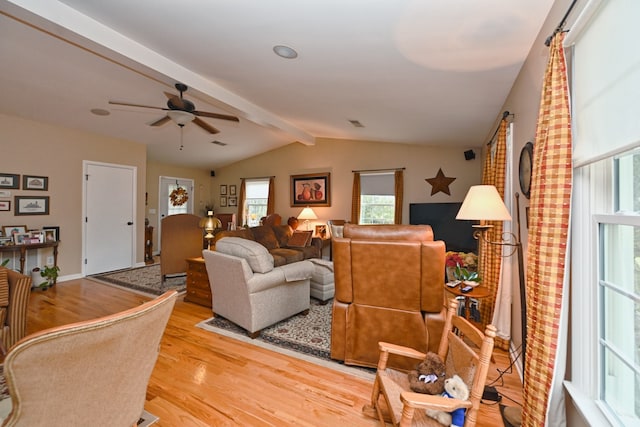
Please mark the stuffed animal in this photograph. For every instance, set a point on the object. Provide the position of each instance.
(455, 388)
(428, 377)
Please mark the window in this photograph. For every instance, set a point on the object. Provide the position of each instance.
(255, 204)
(618, 243)
(377, 198)
(605, 227)
(171, 209)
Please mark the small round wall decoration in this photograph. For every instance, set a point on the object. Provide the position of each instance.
(526, 168)
(179, 196)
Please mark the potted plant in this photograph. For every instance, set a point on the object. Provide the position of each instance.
(50, 274)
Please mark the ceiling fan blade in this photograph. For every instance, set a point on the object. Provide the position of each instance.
(160, 121)
(216, 116)
(128, 104)
(206, 126)
(176, 101)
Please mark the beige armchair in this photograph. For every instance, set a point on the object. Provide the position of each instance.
(248, 290)
(88, 373)
(13, 306)
(389, 282)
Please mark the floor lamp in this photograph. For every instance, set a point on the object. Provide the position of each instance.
(483, 203)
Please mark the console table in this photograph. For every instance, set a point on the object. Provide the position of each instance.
(27, 247)
(198, 289)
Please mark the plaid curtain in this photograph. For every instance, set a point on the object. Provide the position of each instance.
(241, 197)
(355, 199)
(271, 199)
(490, 256)
(548, 235)
(399, 191)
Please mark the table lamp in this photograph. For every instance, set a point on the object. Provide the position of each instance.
(209, 223)
(307, 214)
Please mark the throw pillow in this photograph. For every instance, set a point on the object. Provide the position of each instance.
(265, 236)
(300, 239)
(283, 234)
(256, 255)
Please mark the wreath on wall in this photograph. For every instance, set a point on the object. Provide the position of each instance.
(179, 196)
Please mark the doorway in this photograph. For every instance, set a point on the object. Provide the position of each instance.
(109, 213)
(165, 207)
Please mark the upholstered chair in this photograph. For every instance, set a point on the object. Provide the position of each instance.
(14, 300)
(180, 238)
(389, 282)
(88, 373)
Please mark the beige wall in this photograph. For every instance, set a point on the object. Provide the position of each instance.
(40, 149)
(340, 158)
(201, 196)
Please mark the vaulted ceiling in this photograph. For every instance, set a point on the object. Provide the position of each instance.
(432, 72)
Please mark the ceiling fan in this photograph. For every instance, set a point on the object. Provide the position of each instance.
(182, 111)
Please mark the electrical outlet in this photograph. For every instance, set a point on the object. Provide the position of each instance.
(49, 260)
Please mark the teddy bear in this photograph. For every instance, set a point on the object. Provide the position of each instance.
(454, 388)
(428, 377)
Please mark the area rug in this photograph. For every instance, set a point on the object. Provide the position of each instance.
(306, 337)
(146, 280)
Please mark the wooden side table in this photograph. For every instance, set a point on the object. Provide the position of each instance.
(478, 292)
(198, 289)
(148, 244)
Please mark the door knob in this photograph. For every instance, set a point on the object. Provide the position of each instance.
(129, 223)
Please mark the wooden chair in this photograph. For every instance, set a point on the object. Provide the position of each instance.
(94, 372)
(466, 352)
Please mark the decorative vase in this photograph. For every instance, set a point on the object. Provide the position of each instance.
(451, 274)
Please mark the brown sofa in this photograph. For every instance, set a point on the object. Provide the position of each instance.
(276, 238)
(389, 287)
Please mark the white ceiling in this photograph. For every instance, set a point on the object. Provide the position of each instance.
(432, 72)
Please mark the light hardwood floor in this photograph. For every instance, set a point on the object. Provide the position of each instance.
(203, 379)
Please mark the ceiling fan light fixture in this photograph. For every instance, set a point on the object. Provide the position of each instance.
(181, 118)
(285, 52)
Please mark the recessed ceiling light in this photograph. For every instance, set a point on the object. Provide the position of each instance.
(100, 112)
(285, 52)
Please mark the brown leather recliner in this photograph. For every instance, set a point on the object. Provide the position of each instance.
(389, 287)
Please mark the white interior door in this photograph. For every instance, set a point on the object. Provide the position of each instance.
(167, 185)
(110, 210)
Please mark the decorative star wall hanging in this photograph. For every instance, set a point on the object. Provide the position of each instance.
(440, 183)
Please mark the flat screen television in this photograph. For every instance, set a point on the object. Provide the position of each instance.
(457, 235)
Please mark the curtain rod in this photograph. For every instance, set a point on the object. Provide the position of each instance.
(380, 170)
(259, 177)
(560, 26)
(504, 116)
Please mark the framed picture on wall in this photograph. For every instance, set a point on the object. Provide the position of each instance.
(223, 201)
(30, 182)
(311, 189)
(9, 180)
(5, 205)
(223, 190)
(31, 205)
(232, 190)
(233, 201)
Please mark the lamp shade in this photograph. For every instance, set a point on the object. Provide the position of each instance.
(307, 213)
(483, 203)
(180, 117)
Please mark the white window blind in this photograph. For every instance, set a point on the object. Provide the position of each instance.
(377, 184)
(606, 80)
